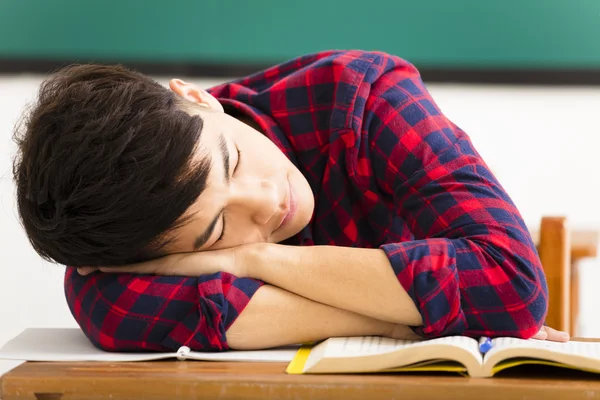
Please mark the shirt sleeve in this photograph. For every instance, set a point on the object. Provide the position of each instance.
(126, 312)
(472, 267)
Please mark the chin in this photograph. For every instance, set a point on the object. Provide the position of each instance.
(305, 205)
(293, 228)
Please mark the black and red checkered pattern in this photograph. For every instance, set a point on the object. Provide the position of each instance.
(388, 170)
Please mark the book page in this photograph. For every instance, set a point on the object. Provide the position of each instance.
(279, 354)
(70, 344)
(581, 349)
(374, 353)
(64, 344)
(373, 345)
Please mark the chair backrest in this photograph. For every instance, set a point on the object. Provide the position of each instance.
(555, 253)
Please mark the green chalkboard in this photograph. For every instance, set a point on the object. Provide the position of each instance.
(437, 33)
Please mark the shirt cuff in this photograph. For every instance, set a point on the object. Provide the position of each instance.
(426, 269)
(221, 299)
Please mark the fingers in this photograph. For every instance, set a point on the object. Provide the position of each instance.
(86, 270)
(168, 265)
(541, 335)
(555, 335)
(148, 267)
(551, 334)
(141, 268)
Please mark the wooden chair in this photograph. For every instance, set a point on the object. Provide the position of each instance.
(554, 249)
(560, 251)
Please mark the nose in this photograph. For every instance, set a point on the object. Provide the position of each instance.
(258, 197)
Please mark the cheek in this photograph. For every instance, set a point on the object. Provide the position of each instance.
(242, 231)
(263, 150)
(305, 197)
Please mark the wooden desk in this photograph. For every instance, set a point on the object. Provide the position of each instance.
(247, 381)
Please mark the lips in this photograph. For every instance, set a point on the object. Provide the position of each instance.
(290, 206)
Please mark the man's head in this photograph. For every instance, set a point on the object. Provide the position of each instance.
(114, 168)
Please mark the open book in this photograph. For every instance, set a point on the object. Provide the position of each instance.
(58, 344)
(450, 354)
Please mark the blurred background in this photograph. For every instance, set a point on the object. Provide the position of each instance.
(521, 77)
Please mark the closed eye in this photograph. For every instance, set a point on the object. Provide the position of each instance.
(239, 155)
(222, 235)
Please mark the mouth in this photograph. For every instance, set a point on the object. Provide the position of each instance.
(291, 206)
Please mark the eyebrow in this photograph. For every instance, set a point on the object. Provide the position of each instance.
(204, 236)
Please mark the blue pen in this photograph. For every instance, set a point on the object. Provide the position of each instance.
(485, 344)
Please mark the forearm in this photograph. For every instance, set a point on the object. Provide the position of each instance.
(275, 317)
(353, 279)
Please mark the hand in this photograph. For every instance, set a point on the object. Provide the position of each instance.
(232, 260)
(547, 333)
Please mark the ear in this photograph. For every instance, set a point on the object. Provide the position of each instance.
(191, 92)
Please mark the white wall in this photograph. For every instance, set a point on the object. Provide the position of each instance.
(541, 142)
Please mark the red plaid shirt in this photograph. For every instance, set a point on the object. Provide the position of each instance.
(388, 170)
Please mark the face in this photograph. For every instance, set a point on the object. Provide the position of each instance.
(253, 194)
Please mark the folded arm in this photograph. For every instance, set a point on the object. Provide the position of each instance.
(358, 280)
(129, 312)
(277, 317)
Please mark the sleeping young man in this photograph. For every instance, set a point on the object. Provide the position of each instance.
(326, 196)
